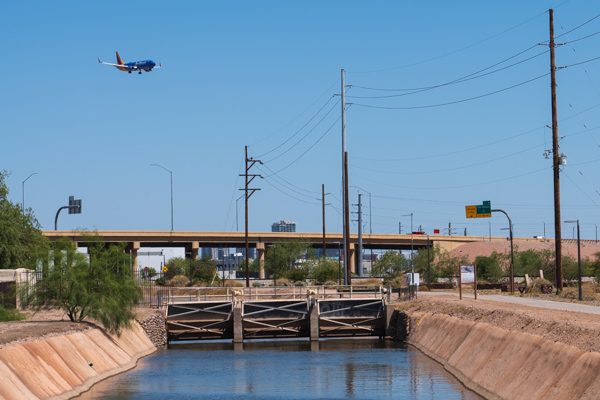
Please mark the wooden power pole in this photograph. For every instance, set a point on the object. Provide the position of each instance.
(556, 162)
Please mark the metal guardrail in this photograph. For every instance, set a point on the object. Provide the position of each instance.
(170, 295)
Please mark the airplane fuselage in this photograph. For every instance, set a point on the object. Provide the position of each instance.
(146, 65)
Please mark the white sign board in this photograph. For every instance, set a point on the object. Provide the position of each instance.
(467, 273)
(410, 281)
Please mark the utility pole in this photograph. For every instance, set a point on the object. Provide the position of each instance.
(399, 228)
(449, 228)
(347, 230)
(324, 244)
(344, 180)
(556, 162)
(360, 241)
(247, 193)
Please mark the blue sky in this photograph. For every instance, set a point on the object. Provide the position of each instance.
(266, 74)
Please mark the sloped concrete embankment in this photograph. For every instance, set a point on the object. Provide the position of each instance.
(61, 367)
(503, 364)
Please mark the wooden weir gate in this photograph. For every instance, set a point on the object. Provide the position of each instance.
(277, 318)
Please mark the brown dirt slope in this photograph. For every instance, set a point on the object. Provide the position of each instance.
(474, 249)
(580, 330)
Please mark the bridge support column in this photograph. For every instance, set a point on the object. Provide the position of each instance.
(314, 320)
(352, 257)
(238, 331)
(133, 248)
(260, 249)
(195, 249)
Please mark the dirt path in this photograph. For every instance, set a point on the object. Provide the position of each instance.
(578, 329)
(47, 324)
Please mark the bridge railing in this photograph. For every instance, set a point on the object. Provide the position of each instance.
(169, 295)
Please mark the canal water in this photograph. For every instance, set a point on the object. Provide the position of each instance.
(328, 369)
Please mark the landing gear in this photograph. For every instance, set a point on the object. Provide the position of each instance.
(140, 72)
(129, 71)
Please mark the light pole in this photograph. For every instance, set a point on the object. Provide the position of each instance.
(512, 260)
(170, 172)
(412, 267)
(578, 255)
(236, 212)
(23, 204)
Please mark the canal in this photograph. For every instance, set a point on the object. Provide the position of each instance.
(328, 369)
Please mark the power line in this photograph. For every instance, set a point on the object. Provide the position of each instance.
(577, 27)
(465, 78)
(299, 115)
(452, 52)
(453, 102)
(453, 187)
(310, 148)
(308, 133)
(447, 169)
(299, 130)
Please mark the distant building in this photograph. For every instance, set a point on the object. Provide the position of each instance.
(283, 226)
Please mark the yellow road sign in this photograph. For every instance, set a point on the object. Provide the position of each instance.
(471, 212)
(165, 269)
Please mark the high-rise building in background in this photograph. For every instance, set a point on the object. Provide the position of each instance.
(283, 226)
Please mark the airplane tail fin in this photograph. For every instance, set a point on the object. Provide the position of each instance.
(119, 61)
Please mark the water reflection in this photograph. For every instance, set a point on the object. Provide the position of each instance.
(328, 369)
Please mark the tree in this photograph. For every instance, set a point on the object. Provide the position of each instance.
(390, 265)
(204, 270)
(323, 270)
(490, 268)
(100, 287)
(286, 256)
(21, 240)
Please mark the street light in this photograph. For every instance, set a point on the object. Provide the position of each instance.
(23, 204)
(578, 255)
(170, 172)
(412, 267)
(236, 212)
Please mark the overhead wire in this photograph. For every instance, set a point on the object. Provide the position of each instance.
(465, 78)
(308, 133)
(452, 52)
(447, 169)
(453, 187)
(310, 148)
(298, 131)
(298, 116)
(453, 102)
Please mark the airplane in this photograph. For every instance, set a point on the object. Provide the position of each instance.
(139, 66)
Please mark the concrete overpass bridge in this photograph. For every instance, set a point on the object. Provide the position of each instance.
(193, 241)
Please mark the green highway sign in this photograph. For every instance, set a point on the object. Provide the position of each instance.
(479, 211)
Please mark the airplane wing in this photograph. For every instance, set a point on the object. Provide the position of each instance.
(114, 65)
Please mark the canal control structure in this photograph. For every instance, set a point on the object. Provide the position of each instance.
(341, 313)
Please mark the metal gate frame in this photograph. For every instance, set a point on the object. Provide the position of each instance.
(358, 324)
(222, 328)
(302, 318)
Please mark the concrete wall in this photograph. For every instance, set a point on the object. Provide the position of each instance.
(501, 364)
(58, 367)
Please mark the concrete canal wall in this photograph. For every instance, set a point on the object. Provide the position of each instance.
(62, 367)
(502, 364)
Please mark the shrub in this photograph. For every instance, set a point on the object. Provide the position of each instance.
(572, 293)
(324, 270)
(232, 283)
(178, 280)
(10, 314)
(297, 274)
